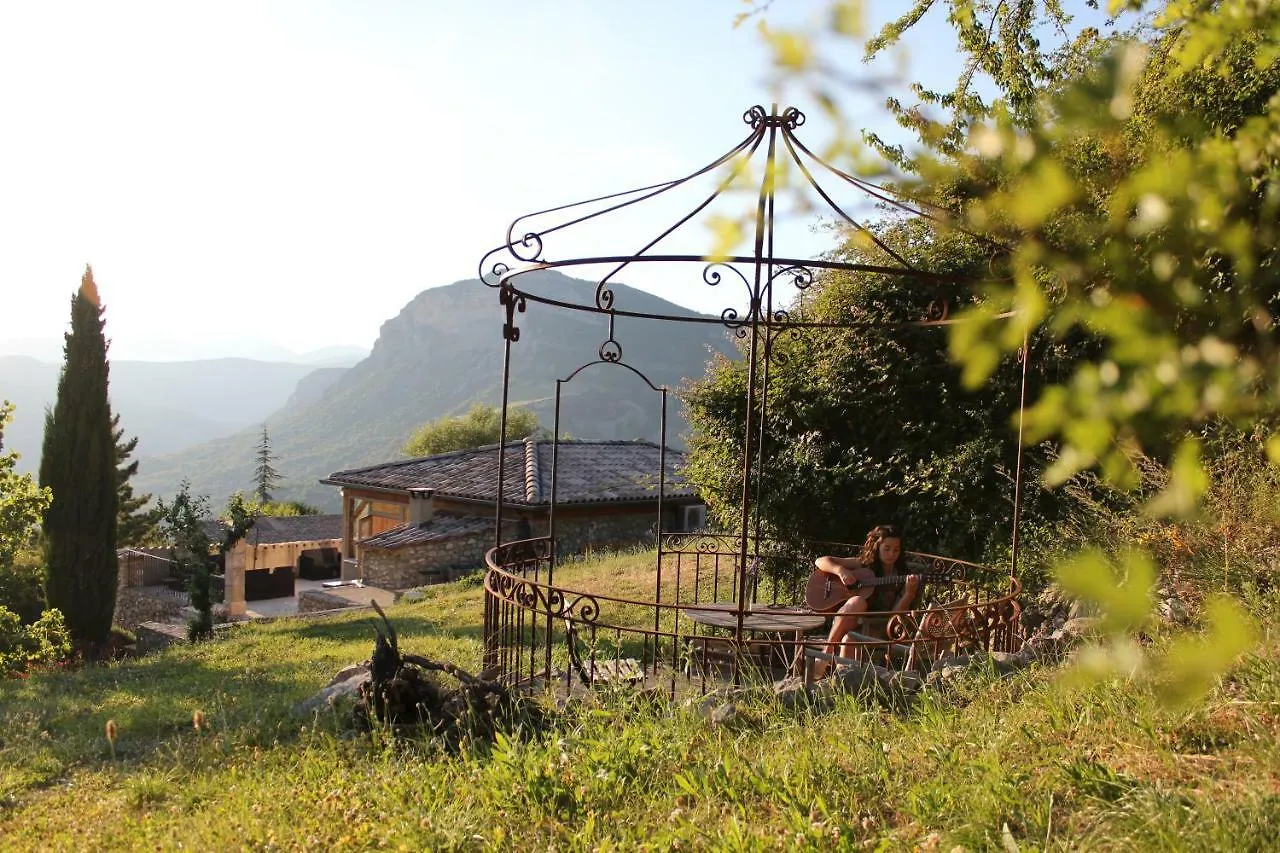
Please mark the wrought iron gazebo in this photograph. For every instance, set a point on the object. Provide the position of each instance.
(716, 609)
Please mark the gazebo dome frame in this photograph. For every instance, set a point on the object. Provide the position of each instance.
(524, 607)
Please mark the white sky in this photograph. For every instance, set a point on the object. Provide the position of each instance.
(292, 173)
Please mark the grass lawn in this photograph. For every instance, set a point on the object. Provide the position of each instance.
(1027, 761)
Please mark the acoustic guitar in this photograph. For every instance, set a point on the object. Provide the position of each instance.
(826, 592)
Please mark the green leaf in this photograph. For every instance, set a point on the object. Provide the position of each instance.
(1187, 484)
(1273, 449)
(1194, 663)
(1124, 601)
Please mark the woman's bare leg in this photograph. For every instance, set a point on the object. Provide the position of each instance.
(851, 615)
(846, 620)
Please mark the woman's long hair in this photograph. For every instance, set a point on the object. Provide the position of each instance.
(870, 557)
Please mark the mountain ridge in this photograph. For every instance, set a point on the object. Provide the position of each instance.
(439, 355)
(169, 405)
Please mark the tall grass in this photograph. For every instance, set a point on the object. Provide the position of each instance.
(1030, 761)
(1232, 544)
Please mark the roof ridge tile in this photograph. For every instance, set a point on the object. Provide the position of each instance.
(532, 472)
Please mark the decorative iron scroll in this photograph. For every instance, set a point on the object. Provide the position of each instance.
(526, 238)
(611, 350)
(700, 543)
(540, 598)
(520, 552)
(513, 301)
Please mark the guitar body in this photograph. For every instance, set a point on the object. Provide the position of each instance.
(826, 592)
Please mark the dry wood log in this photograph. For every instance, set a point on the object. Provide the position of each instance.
(405, 693)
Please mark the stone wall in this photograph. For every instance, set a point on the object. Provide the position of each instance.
(442, 560)
(135, 605)
(430, 562)
(155, 636)
(578, 533)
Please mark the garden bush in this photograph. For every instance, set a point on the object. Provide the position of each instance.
(45, 642)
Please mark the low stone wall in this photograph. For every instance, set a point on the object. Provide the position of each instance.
(431, 562)
(314, 601)
(135, 605)
(154, 636)
(614, 530)
(444, 560)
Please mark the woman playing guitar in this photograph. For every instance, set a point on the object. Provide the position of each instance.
(882, 556)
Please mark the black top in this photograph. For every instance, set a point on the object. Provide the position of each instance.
(885, 597)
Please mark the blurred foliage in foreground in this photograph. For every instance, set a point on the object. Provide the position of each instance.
(1127, 181)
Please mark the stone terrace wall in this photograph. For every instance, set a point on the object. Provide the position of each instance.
(431, 562)
(434, 562)
(575, 534)
(135, 605)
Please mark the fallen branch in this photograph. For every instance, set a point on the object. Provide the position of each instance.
(404, 693)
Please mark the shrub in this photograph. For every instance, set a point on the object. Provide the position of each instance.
(1233, 542)
(201, 625)
(45, 642)
(22, 586)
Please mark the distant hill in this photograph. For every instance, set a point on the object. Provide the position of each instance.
(168, 405)
(443, 353)
(339, 355)
(192, 348)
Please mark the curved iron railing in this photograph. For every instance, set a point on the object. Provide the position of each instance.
(543, 634)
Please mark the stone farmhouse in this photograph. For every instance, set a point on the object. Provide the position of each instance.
(414, 521)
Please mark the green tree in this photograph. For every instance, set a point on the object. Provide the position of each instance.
(1133, 187)
(287, 509)
(183, 523)
(22, 504)
(136, 526)
(78, 465)
(265, 476)
(1018, 49)
(871, 424)
(478, 427)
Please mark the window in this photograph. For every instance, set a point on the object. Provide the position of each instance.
(693, 517)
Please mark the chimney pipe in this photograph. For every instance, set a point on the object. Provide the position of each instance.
(421, 505)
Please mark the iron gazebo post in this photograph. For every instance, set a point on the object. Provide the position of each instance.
(763, 223)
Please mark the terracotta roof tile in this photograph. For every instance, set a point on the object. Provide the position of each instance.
(588, 472)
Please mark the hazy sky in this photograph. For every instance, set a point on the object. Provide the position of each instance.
(246, 175)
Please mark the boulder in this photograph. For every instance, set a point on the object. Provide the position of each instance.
(329, 695)
(1080, 626)
(724, 714)
(348, 671)
(1007, 663)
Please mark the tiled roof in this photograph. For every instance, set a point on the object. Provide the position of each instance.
(443, 525)
(214, 529)
(270, 530)
(589, 471)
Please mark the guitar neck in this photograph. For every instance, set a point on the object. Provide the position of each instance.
(894, 580)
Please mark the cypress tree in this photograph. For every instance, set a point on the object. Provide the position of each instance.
(265, 476)
(78, 464)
